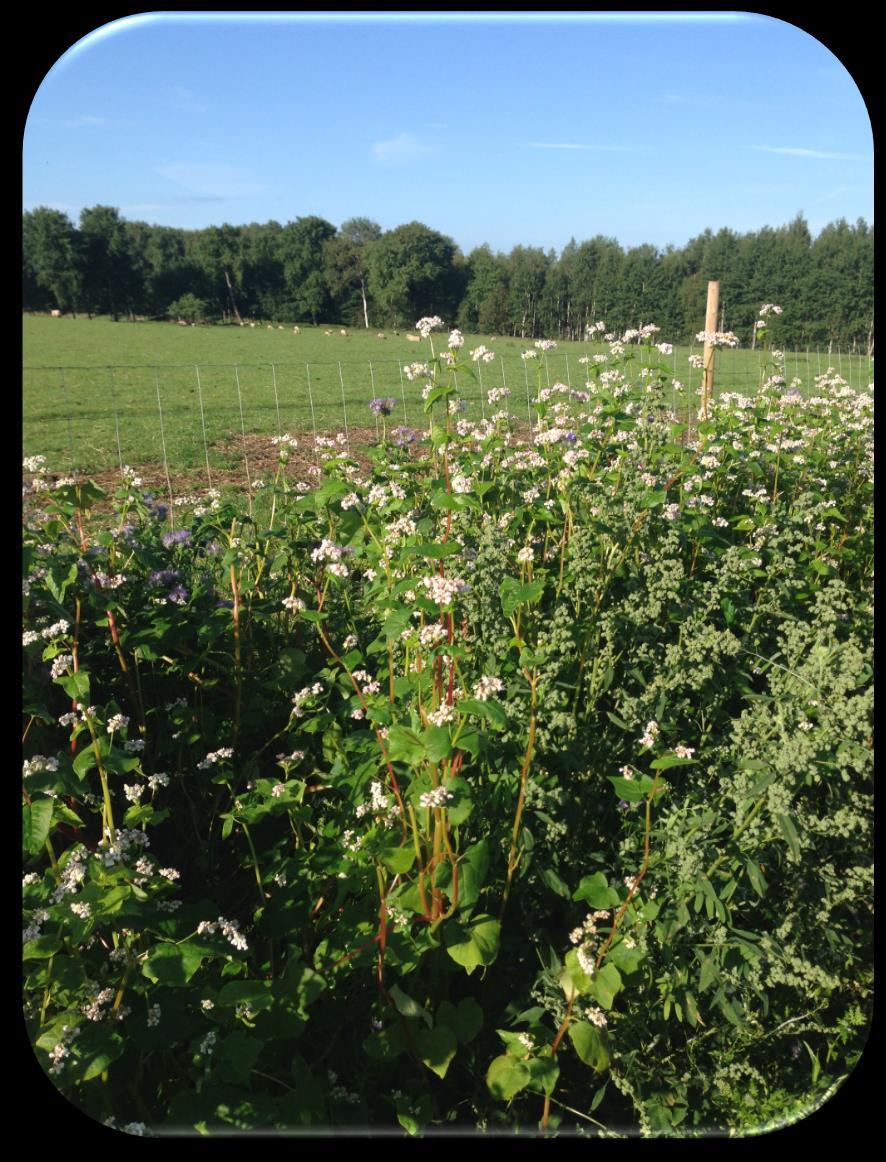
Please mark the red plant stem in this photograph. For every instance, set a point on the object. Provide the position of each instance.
(133, 693)
(644, 867)
(382, 941)
(356, 951)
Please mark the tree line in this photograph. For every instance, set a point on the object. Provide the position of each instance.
(359, 275)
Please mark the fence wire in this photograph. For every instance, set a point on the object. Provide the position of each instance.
(200, 417)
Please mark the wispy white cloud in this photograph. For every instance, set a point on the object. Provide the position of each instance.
(836, 193)
(403, 147)
(185, 100)
(574, 145)
(212, 182)
(795, 151)
(84, 121)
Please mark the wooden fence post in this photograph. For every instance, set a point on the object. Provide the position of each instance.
(710, 326)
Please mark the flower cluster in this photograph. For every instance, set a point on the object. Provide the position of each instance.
(382, 406)
(38, 763)
(442, 715)
(414, 371)
(439, 797)
(304, 695)
(428, 324)
(717, 338)
(216, 756)
(482, 354)
(230, 929)
(487, 687)
(650, 734)
(444, 590)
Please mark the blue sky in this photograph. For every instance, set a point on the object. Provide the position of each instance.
(514, 130)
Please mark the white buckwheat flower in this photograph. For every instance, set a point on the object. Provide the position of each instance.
(436, 798)
(650, 734)
(61, 665)
(442, 715)
(486, 687)
(443, 590)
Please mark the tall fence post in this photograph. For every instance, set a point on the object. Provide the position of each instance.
(710, 326)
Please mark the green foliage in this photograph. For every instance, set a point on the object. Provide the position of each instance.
(189, 308)
(548, 803)
(362, 276)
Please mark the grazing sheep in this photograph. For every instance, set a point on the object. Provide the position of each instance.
(327, 332)
(56, 314)
(270, 328)
(296, 331)
(252, 324)
(343, 332)
(279, 326)
(414, 338)
(380, 335)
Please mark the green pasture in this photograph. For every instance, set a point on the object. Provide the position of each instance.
(97, 392)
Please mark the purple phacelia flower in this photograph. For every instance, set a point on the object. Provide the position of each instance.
(163, 577)
(382, 407)
(180, 537)
(403, 436)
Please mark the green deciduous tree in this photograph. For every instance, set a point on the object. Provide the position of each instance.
(302, 245)
(411, 274)
(111, 277)
(52, 260)
(346, 264)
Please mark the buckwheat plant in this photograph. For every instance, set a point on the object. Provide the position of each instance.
(486, 781)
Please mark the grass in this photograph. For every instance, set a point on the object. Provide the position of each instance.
(97, 392)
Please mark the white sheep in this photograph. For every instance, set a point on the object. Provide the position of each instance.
(296, 331)
(414, 338)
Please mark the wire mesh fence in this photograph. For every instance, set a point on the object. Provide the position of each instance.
(200, 416)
